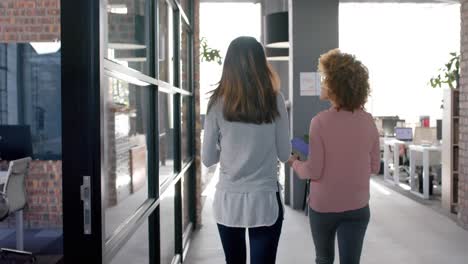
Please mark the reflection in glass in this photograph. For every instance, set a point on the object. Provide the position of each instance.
(166, 137)
(186, 7)
(186, 129)
(3, 83)
(126, 127)
(184, 58)
(186, 200)
(127, 33)
(136, 250)
(30, 94)
(166, 42)
(167, 227)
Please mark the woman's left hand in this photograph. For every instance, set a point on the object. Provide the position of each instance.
(292, 158)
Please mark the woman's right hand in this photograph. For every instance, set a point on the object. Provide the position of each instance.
(292, 158)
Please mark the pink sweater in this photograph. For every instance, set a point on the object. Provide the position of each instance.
(343, 152)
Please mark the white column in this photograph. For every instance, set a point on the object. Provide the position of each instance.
(426, 176)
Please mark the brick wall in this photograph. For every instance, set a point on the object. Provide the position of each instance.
(196, 94)
(123, 28)
(111, 199)
(29, 20)
(463, 158)
(44, 196)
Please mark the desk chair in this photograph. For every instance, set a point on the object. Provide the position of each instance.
(13, 199)
(404, 163)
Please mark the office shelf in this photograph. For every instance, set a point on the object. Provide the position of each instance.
(450, 150)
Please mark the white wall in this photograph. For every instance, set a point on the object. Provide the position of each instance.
(403, 45)
(220, 23)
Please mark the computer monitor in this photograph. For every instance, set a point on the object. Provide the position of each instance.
(404, 133)
(15, 142)
(389, 124)
(439, 129)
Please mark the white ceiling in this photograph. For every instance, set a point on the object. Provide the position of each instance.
(400, 1)
(230, 1)
(343, 1)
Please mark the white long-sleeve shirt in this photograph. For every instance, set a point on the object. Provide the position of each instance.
(248, 155)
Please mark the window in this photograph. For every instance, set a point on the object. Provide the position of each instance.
(186, 7)
(127, 119)
(128, 34)
(184, 58)
(166, 137)
(167, 212)
(3, 85)
(139, 178)
(186, 203)
(186, 129)
(166, 42)
(136, 250)
(30, 94)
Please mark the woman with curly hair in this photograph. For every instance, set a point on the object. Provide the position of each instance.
(343, 152)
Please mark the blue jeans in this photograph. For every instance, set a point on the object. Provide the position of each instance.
(351, 227)
(263, 241)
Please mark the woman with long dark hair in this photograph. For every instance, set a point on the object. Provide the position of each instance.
(247, 131)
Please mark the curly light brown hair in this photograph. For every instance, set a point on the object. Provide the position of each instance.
(346, 80)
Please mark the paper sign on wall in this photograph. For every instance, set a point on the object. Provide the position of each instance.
(310, 84)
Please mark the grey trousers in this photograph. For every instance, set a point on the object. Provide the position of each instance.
(351, 228)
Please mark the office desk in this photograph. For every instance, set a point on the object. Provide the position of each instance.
(395, 144)
(427, 156)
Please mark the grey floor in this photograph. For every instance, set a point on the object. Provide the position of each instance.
(401, 231)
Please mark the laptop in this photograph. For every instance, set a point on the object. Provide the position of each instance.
(404, 133)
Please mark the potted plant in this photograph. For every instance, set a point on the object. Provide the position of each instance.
(209, 54)
(449, 75)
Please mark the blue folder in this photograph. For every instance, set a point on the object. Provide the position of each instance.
(300, 146)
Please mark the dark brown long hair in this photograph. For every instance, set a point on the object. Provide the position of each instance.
(248, 86)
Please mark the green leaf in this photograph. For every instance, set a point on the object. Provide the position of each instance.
(208, 54)
(450, 73)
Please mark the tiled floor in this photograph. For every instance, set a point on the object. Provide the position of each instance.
(37, 241)
(401, 231)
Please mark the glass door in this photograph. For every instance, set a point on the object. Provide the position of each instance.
(128, 130)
